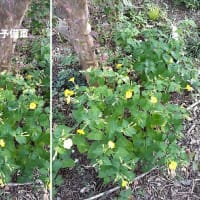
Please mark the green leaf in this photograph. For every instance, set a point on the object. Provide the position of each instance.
(107, 172)
(122, 152)
(81, 143)
(112, 127)
(58, 180)
(156, 119)
(21, 139)
(95, 135)
(95, 150)
(125, 194)
(123, 142)
(61, 131)
(68, 163)
(57, 164)
(106, 161)
(130, 131)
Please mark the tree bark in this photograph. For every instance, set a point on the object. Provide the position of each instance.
(11, 15)
(77, 17)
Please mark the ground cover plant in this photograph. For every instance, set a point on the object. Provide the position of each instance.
(24, 104)
(125, 120)
(195, 4)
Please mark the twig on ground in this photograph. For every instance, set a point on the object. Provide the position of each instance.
(17, 184)
(117, 188)
(104, 193)
(193, 105)
(191, 128)
(144, 174)
(193, 186)
(165, 186)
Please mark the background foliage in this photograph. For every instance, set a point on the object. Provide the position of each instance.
(24, 104)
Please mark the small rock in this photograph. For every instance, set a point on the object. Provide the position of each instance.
(186, 182)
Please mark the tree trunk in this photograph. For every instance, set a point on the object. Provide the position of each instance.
(11, 15)
(77, 17)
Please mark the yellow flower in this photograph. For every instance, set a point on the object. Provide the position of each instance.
(2, 143)
(32, 106)
(129, 94)
(68, 99)
(1, 182)
(170, 60)
(111, 145)
(119, 65)
(71, 79)
(124, 183)
(81, 131)
(188, 88)
(68, 93)
(172, 165)
(29, 76)
(153, 100)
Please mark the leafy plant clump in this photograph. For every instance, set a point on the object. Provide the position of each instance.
(24, 126)
(189, 3)
(24, 105)
(122, 126)
(154, 13)
(124, 120)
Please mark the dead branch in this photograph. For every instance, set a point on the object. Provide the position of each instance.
(193, 105)
(117, 188)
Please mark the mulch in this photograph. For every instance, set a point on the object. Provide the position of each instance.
(24, 191)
